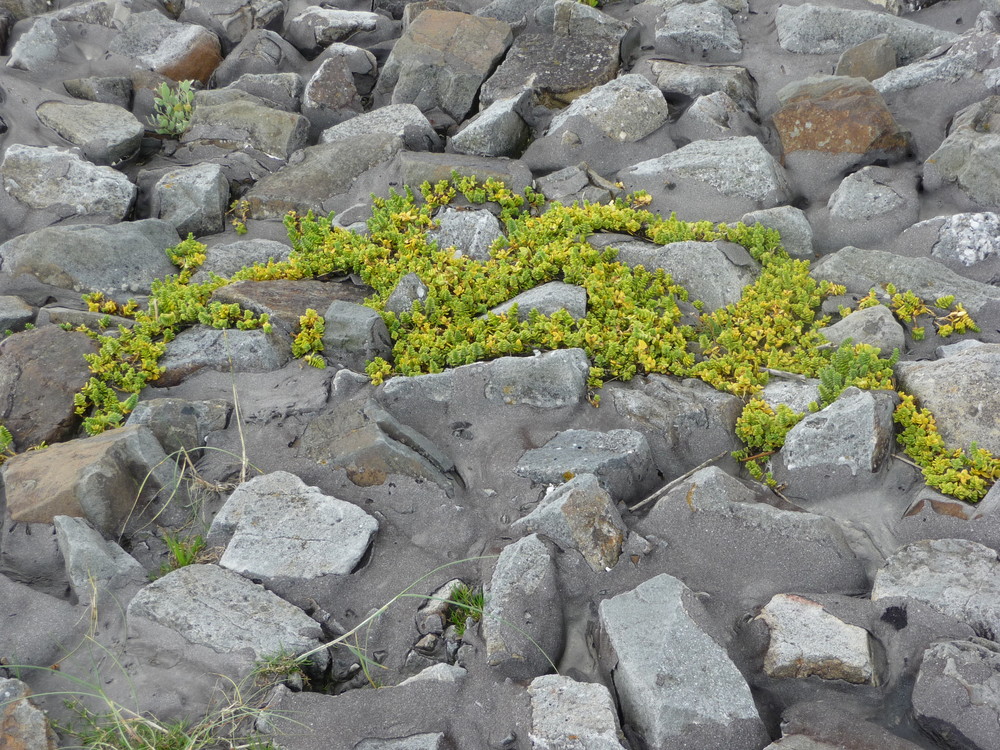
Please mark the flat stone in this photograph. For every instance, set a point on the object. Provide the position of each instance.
(282, 90)
(675, 684)
(115, 90)
(194, 200)
(106, 133)
(180, 51)
(807, 640)
(565, 713)
(213, 607)
(247, 123)
(875, 326)
(698, 31)
(14, 313)
(627, 108)
(499, 130)
(181, 425)
(714, 116)
(95, 565)
(277, 526)
(404, 121)
(547, 299)
(548, 381)
(956, 577)
(869, 60)
(422, 741)
(225, 350)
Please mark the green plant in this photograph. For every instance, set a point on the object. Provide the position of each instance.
(763, 430)
(182, 551)
(239, 209)
(466, 603)
(282, 666)
(857, 365)
(172, 108)
(308, 342)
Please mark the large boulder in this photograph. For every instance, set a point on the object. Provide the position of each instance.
(967, 155)
(179, 51)
(106, 133)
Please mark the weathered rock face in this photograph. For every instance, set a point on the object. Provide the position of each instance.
(177, 50)
(966, 156)
(584, 710)
(702, 30)
(247, 122)
(24, 724)
(106, 133)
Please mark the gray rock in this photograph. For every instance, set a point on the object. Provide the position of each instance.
(39, 46)
(968, 238)
(106, 133)
(227, 259)
(807, 640)
(791, 223)
(957, 693)
(682, 82)
(718, 179)
(247, 123)
(330, 96)
(192, 199)
(620, 459)
(227, 350)
(627, 108)
(840, 448)
(120, 257)
(14, 313)
(283, 90)
(441, 60)
(116, 90)
(261, 51)
(819, 30)
(277, 526)
(869, 193)
(794, 394)
(213, 607)
(181, 425)
(966, 155)
(518, 13)
(714, 116)
(95, 566)
(958, 391)
(769, 550)
(24, 724)
(547, 299)
(354, 335)
(950, 350)
(580, 515)
(423, 741)
(499, 130)
(954, 576)
(577, 183)
(438, 673)
(408, 290)
(179, 51)
(567, 714)
(232, 20)
(361, 62)
(317, 27)
(701, 31)
(404, 121)
(550, 380)
(869, 60)
(875, 326)
(571, 18)
(417, 168)
(471, 233)
(57, 180)
(522, 620)
(676, 686)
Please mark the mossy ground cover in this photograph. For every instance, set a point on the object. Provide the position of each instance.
(638, 321)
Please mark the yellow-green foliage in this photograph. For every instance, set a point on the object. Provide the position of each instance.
(908, 307)
(857, 365)
(308, 342)
(763, 430)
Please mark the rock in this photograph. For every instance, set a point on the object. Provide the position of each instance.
(263, 52)
(580, 515)
(438, 673)
(620, 459)
(714, 116)
(213, 607)
(627, 108)
(700, 31)
(795, 395)
(819, 30)
(817, 725)
(899, 7)
(682, 83)
(875, 326)
(280, 90)
(403, 121)
(57, 180)
(571, 18)
(40, 373)
(361, 62)
(15, 313)
(116, 90)
(957, 391)
(424, 741)
(499, 130)
(226, 350)
(95, 567)
(105, 479)
(106, 133)
(227, 259)
(277, 526)
(837, 115)
(839, 449)
(181, 425)
(417, 168)
(807, 640)
(317, 27)
(557, 69)
(247, 123)
(963, 157)
(319, 175)
(869, 60)
(723, 178)
(24, 724)
(675, 684)
(193, 199)
(441, 61)
(180, 51)
(232, 20)
(410, 289)
(953, 576)
(354, 335)
(874, 201)
(768, 550)
(39, 46)
(471, 233)
(579, 183)
(791, 223)
(547, 299)
(330, 96)
(967, 239)
(955, 695)
(522, 620)
(565, 712)
(548, 381)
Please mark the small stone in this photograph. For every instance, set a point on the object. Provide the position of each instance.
(565, 713)
(192, 199)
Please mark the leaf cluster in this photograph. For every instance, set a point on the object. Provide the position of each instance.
(857, 365)
(172, 108)
(308, 342)
(763, 429)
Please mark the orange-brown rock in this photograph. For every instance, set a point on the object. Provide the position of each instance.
(836, 115)
(23, 725)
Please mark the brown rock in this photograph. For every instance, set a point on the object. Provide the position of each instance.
(868, 60)
(23, 726)
(180, 51)
(836, 115)
(40, 372)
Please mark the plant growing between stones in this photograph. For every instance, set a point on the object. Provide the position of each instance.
(308, 342)
(466, 603)
(182, 551)
(172, 108)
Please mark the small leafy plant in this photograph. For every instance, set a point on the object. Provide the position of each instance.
(281, 667)
(466, 602)
(172, 108)
(856, 365)
(308, 343)
(183, 552)
(763, 429)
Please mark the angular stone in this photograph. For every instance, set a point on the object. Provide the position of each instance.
(261, 51)
(58, 180)
(681, 83)
(714, 116)
(224, 350)
(548, 381)
(98, 478)
(180, 51)
(959, 391)
(14, 313)
(875, 326)
(699, 31)
(247, 123)
(868, 60)
(181, 425)
(580, 515)
(232, 20)
(968, 238)
(225, 260)
(899, 7)
(565, 712)
(499, 130)
(330, 96)
(968, 155)
(106, 133)
(869, 193)
(361, 62)
(557, 69)
(282, 90)
(571, 18)
(807, 640)
(547, 299)
(39, 46)
(25, 726)
(193, 199)
(791, 224)
(93, 564)
(404, 121)
(408, 290)
(354, 335)
(836, 115)
(627, 109)
(956, 577)
(620, 459)
(441, 61)
(675, 684)
(471, 233)
(317, 27)
(522, 621)
(277, 526)
(213, 607)
(116, 90)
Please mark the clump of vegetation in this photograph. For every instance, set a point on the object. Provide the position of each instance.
(182, 551)
(308, 342)
(857, 365)
(763, 429)
(283, 666)
(466, 603)
(172, 108)
(908, 307)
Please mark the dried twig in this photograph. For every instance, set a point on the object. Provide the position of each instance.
(670, 485)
